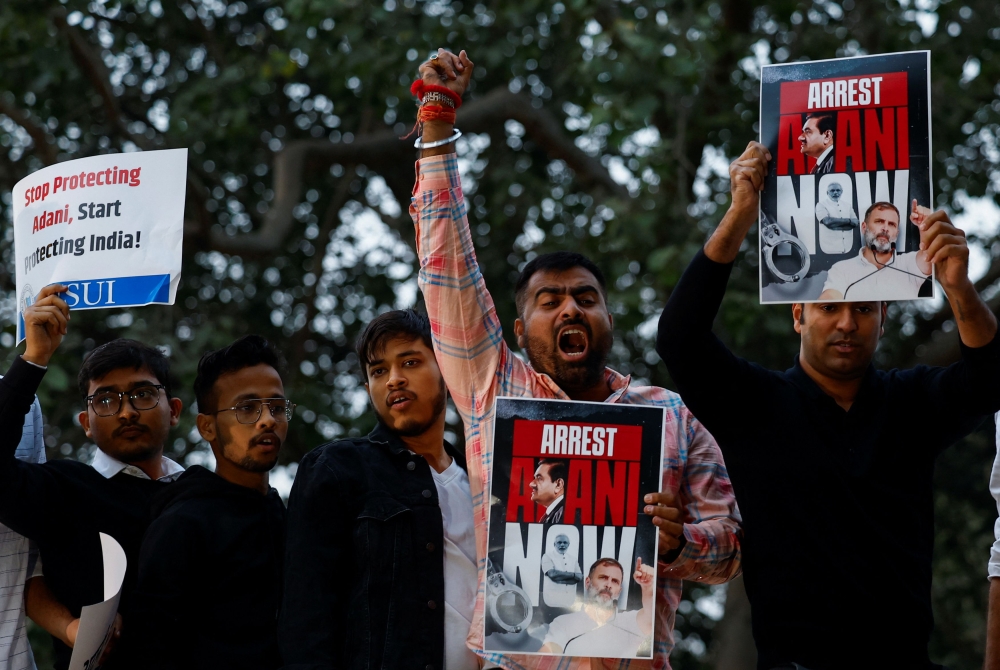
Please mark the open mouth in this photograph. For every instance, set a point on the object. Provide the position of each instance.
(267, 441)
(399, 400)
(573, 342)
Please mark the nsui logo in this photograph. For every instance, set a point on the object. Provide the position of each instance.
(27, 297)
(116, 291)
(97, 293)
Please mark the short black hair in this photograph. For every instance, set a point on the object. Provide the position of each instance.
(246, 352)
(558, 469)
(407, 323)
(121, 354)
(881, 205)
(557, 261)
(825, 121)
(605, 561)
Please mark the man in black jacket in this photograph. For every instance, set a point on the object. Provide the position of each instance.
(209, 579)
(63, 505)
(832, 460)
(381, 560)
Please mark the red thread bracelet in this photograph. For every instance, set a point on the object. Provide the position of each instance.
(418, 88)
(435, 113)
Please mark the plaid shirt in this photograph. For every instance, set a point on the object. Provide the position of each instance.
(478, 367)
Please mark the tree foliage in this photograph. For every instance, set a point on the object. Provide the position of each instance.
(601, 126)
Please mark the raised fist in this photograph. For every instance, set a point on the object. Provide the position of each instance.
(45, 324)
(448, 70)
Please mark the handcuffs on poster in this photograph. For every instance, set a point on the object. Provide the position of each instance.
(507, 604)
(771, 236)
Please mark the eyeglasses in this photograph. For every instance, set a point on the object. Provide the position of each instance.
(249, 411)
(109, 403)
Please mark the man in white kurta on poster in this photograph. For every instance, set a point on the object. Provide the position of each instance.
(837, 220)
(879, 272)
(562, 572)
(598, 628)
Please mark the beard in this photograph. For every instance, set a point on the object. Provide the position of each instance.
(883, 245)
(606, 603)
(247, 462)
(411, 427)
(579, 375)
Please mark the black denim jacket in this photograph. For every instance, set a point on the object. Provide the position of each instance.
(364, 563)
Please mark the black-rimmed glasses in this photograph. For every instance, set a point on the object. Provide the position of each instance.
(248, 411)
(109, 403)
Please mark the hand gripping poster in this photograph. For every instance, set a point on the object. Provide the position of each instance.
(850, 174)
(571, 565)
(108, 227)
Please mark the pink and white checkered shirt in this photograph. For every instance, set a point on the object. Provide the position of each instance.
(478, 366)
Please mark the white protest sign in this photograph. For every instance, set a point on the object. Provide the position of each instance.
(97, 621)
(109, 227)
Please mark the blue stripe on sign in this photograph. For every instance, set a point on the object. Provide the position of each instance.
(116, 291)
(111, 292)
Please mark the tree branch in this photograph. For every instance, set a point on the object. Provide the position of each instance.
(94, 70)
(384, 153)
(42, 138)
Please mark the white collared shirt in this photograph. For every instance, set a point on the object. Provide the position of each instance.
(860, 279)
(555, 503)
(822, 156)
(109, 466)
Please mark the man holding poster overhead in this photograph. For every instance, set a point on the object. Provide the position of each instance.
(64, 505)
(566, 331)
(832, 460)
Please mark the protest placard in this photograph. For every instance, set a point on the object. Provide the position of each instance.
(109, 227)
(97, 621)
(572, 557)
(850, 143)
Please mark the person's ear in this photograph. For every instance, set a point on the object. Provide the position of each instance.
(176, 405)
(519, 332)
(798, 310)
(828, 135)
(885, 311)
(84, 418)
(206, 427)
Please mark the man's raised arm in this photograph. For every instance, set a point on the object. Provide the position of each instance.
(707, 374)
(468, 340)
(24, 488)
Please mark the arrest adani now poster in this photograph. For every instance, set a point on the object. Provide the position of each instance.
(850, 143)
(572, 556)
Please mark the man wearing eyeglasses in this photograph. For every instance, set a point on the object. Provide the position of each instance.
(210, 568)
(64, 504)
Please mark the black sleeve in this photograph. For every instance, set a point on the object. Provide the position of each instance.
(25, 488)
(963, 393)
(717, 386)
(159, 625)
(318, 550)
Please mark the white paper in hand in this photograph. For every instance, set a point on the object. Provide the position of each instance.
(109, 227)
(97, 621)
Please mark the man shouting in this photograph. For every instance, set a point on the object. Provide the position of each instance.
(565, 329)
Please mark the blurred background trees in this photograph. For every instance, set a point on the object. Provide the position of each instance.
(603, 126)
